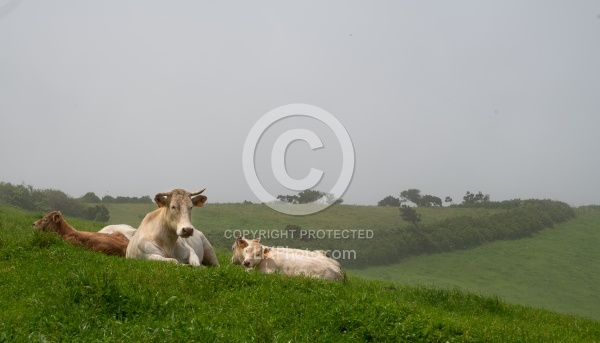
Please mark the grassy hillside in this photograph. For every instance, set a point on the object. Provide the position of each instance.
(53, 292)
(555, 269)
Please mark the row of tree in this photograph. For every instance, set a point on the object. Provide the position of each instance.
(92, 198)
(415, 197)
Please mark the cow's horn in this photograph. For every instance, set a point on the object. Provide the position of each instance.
(199, 192)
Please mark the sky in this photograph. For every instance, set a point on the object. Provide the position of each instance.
(139, 97)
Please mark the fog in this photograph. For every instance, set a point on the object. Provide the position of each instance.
(139, 97)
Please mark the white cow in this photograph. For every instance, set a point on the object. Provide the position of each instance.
(241, 243)
(268, 260)
(125, 229)
(157, 237)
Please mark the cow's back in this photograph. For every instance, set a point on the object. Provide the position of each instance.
(321, 268)
(127, 230)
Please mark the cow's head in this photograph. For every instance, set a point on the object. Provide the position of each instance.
(237, 249)
(178, 209)
(254, 254)
(50, 222)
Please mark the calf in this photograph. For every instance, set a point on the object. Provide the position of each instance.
(158, 236)
(110, 244)
(241, 243)
(269, 261)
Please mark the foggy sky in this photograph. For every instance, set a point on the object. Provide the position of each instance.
(139, 97)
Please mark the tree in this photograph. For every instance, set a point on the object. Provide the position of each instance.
(448, 199)
(107, 199)
(21, 196)
(309, 195)
(409, 214)
(413, 195)
(389, 201)
(97, 213)
(145, 200)
(430, 200)
(292, 199)
(472, 198)
(60, 201)
(90, 198)
(331, 199)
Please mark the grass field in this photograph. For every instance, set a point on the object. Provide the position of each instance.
(556, 269)
(54, 292)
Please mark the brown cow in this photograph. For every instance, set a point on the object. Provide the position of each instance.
(110, 244)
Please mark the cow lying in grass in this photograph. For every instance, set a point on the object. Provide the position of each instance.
(125, 229)
(269, 260)
(197, 242)
(241, 243)
(110, 244)
(167, 233)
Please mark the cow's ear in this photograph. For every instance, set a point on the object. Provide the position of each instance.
(56, 217)
(160, 200)
(266, 251)
(199, 200)
(241, 242)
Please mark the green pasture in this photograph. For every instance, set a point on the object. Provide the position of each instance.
(54, 292)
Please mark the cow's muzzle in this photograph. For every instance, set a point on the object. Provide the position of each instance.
(186, 232)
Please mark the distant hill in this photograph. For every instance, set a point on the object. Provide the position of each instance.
(555, 269)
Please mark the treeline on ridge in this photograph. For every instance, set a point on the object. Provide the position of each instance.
(87, 207)
(46, 200)
(92, 198)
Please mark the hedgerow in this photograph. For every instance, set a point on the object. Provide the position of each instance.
(522, 218)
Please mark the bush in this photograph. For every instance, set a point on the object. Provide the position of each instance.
(46, 200)
(522, 220)
(97, 213)
(389, 201)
